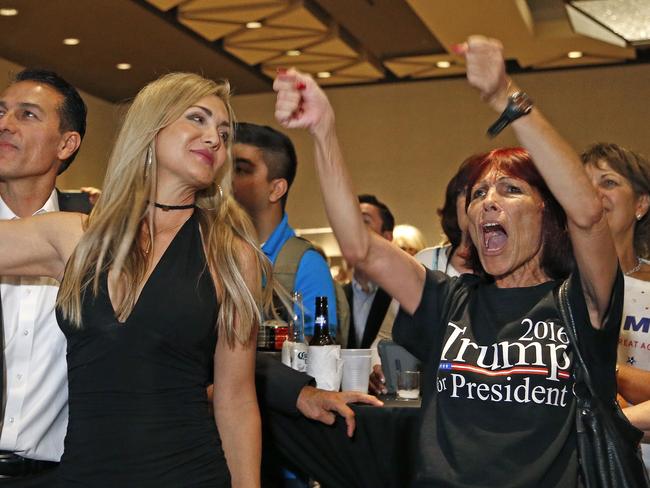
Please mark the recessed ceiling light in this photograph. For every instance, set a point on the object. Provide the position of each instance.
(443, 64)
(253, 25)
(575, 54)
(71, 41)
(293, 52)
(123, 66)
(323, 74)
(8, 12)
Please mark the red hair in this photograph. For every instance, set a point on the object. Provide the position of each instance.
(557, 259)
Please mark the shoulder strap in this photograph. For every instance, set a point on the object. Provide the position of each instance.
(284, 272)
(581, 373)
(288, 259)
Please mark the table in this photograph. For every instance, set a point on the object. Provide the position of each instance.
(381, 453)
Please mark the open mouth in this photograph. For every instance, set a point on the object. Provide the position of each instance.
(494, 236)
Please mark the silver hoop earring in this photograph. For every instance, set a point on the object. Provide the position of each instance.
(147, 162)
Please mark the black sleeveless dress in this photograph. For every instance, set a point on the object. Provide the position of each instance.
(139, 414)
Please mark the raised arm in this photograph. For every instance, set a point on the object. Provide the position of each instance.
(562, 170)
(302, 104)
(40, 245)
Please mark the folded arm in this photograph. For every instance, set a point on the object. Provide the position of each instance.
(633, 383)
(639, 416)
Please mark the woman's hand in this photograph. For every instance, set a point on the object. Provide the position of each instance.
(300, 103)
(486, 70)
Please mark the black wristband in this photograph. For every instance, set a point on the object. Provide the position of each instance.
(519, 104)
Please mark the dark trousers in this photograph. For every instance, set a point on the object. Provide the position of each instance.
(39, 480)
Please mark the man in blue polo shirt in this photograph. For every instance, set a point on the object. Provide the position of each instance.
(265, 167)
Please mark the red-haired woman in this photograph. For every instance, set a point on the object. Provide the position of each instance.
(497, 405)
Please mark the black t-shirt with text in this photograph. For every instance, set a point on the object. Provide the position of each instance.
(498, 408)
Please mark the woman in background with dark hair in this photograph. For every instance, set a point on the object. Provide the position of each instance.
(450, 257)
(497, 407)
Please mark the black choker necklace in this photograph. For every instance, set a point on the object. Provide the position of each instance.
(167, 208)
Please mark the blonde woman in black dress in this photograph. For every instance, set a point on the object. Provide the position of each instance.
(160, 295)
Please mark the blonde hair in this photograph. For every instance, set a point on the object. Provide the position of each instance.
(112, 237)
(408, 237)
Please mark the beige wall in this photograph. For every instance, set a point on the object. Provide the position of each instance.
(404, 141)
(90, 164)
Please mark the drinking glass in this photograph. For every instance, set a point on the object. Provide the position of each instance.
(408, 385)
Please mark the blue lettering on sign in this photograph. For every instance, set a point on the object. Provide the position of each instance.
(631, 323)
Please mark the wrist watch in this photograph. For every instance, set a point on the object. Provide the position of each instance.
(519, 104)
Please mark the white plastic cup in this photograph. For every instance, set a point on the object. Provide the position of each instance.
(356, 370)
(355, 352)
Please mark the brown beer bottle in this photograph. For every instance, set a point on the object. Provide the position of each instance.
(321, 335)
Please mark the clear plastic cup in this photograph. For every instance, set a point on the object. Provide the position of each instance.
(356, 370)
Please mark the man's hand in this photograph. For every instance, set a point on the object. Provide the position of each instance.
(93, 193)
(377, 383)
(321, 405)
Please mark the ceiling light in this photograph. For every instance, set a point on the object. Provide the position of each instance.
(71, 41)
(618, 22)
(293, 52)
(575, 54)
(253, 25)
(323, 74)
(8, 12)
(443, 64)
(123, 66)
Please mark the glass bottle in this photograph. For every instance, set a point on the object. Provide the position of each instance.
(321, 335)
(295, 349)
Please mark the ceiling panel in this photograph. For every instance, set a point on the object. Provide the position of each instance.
(111, 32)
(340, 42)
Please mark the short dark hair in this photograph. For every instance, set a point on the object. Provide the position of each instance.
(72, 112)
(277, 149)
(448, 217)
(387, 219)
(557, 254)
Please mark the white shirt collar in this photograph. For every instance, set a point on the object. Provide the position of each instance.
(51, 205)
(372, 287)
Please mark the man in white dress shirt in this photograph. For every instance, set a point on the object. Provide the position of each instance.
(42, 122)
(368, 303)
